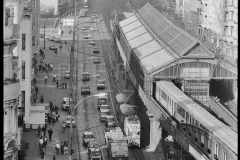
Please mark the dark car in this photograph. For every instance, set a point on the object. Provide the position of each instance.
(85, 89)
(95, 50)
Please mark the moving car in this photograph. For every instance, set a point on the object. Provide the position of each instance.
(52, 47)
(85, 6)
(95, 50)
(94, 16)
(65, 103)
(67, 75)
(100, 84)
(85, 76)
(85, 10)
(96, 60)
(84, 28)
(103, 114)
(92, 29)
(94, 151)
(86, 36)
(92, 43)
(88, 137)
(68, 121)
(110, 121)
(57, 40)
(49, 38)
(85, 89)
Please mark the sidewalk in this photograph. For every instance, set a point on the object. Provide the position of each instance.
(50, 92)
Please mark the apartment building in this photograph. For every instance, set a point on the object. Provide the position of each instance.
(29, 46)
(12, 88)
(214, 22)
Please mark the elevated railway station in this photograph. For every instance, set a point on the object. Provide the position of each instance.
(152, 50)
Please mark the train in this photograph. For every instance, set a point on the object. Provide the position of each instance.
(183, 109)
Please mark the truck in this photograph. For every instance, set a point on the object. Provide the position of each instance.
(94, 151)
(117, 148)
(132, 130)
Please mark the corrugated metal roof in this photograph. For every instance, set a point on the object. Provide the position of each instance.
(131, 26)
(135, 33)
(128, 14)
(147, 49)
(156, 60)
(179, 40)
(136, 42)
(128, 21)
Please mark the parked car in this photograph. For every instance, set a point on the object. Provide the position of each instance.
(92, 43)
(95, 50)
(96, 60)
(68, 121)
(57, 40)
(104, 108)
(85, 10)
(92, 146)
(41, 35)
(50, 38)
(53, 37)
(110, 121)
(88, 137)
(103, 114)
(85, 76)
(86, 36)
(84, 28)
(67, 75)
(94, 16)
(52, 47)
(92, 29)
(85, 89)
(85, 6)
(65, 103)
(100, 84)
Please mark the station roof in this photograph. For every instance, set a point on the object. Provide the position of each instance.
(144, 30)
(145, 47)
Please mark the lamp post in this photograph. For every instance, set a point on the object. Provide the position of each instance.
(97, 95)
(44, 32)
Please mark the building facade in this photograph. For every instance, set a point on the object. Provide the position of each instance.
(214, 22)
(12, 133)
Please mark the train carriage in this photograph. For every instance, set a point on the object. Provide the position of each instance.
(185, 110)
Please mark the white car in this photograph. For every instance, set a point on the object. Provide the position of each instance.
(96, 61)
(94, 16)
(88, 137)
(68, 121)
(92, 43)
(84, 28)
(85, 6)
(52, 47)
(86, 36)
(85, 10)
(67, 75)
(92, 29)
(65, 103)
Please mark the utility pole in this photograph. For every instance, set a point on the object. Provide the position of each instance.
(44, 32)
(71, 82)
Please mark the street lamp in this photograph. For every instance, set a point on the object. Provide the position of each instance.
(44, 32)
(96, 95)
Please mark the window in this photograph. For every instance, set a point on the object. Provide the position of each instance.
(33, 40)
(209, 146)
(200, 31)
(33, 4)
(181, 111)
(187, 117)
(216, 149)
(202, 140)
(23, 70)
(33, 22)
(23, 42)
(196, 123)
(23, 99)
(190, 24)
(164, 96)
(224, 155)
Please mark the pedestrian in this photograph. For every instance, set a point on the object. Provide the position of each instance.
(50, 133)
(43, 130)
(49, 120)
(57, 116)
(65, 84)
(54, 157)
(50, 105)
(64, 126)
(53, 120)
(45, 141)
(56, 108)
(51, 66)
(62, 151)
(65, 143)
(36, 90)
(43, 55)
(65, 43)
(43, 68)
(41, 141)
(39, 130)
(34, 99)
(46, 77)
(60, 47)
(34, 81)
(41, 98)
(57, 83)
(55, 52)
(57, 148)
(54, 77)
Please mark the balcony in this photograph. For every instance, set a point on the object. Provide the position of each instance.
(8, 46)
(11, 88)
(16, 33)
